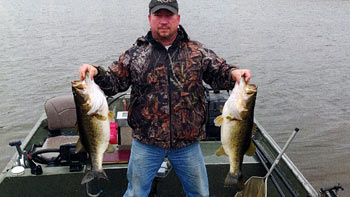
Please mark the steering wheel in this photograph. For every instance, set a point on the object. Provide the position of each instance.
(37, 156)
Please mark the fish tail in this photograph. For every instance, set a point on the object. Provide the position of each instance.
(91, 175)
(234, 180)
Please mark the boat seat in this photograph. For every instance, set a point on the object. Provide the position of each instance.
(56, 142)
(60, 112)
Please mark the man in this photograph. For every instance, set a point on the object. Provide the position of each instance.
(167, 112)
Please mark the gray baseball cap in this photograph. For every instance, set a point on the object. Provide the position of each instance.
(170, 5)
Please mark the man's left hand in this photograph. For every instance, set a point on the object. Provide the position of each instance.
(238, 73)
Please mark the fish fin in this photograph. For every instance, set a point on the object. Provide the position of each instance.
(234, 179)
(86, 106)
(231, 117)
(251, 149)
(76, 127)
(254, 129)
(220, 151)
(99, 116)
(111, 116)
(110, 148)
(91, 175)
(218, 121)
(79, 147)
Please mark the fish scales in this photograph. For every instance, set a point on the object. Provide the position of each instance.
(92, 125)
(237, 123)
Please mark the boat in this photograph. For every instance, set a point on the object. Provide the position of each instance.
(31, 173)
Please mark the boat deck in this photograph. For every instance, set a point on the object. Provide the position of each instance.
(59, 181)
(59, 178)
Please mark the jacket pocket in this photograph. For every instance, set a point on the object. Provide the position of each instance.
(191, 109)
(135, 118)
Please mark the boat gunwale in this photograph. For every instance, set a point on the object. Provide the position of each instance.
(306, 184)
(23, 145)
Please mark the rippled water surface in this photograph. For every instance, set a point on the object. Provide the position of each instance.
(298, 51)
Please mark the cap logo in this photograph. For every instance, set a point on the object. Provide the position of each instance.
(165, 1)
(170, 5)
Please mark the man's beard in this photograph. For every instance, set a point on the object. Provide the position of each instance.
(165, 36)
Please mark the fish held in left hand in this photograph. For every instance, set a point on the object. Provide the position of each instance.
(237, 124)
(93, 125)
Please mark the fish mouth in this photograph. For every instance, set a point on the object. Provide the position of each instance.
(78, 84)
(79, 90)
(252, 85)
(251, 89)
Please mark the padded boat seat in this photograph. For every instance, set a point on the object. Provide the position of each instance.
(60, 112)
(56, 142)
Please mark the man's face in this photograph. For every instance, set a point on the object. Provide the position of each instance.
(164, 24)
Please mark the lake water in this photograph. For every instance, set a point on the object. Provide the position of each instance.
(298, 51)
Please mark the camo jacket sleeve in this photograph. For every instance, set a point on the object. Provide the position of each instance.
(117, 78)
(217, 72)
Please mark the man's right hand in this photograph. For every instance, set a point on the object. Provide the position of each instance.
(87, 68)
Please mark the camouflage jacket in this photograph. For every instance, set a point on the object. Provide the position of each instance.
(167, 105)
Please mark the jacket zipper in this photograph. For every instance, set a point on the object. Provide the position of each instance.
(169, 97)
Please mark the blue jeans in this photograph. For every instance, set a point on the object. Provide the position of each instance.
(145, 161)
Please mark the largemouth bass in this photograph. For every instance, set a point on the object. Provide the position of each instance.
(237, 122)
(92, 125)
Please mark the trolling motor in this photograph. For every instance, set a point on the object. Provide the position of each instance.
(18, 168)
(19, 150)
(25, 160)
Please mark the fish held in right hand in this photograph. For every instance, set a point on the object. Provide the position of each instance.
(237, 124)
